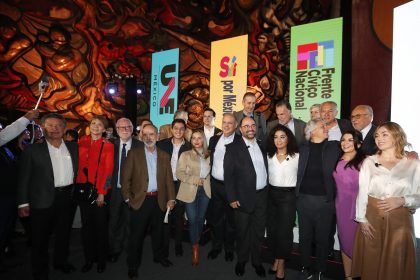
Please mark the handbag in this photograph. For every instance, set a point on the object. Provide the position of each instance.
(87, 192)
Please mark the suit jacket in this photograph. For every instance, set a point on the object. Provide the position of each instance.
(166, 132)
(344, 125)
(135, 178)
(213, 143)
(260, 122)
(331, 152)
(299, 129)
(167, 146)
(369, 146)
(36, 176)
(188, 172)
(240, 177)
(134, 144)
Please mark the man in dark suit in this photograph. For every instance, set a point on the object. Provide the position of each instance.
(148, 188)
(335, 126)
(249, 101)
(209, 129)
(361, 119)
(46, 174)
(219, 213)
(119, 212)
(284, 117)
(245, 168)
(175, 146)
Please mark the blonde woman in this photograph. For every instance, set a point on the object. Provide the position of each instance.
(193, 171)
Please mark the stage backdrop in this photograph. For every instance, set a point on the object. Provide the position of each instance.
(228, 75)
(315, 65)
(164, 86)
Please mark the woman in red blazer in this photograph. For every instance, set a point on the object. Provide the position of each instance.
(94, 216)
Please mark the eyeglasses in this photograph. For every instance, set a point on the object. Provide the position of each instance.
(124, 127)
(358, 116)
(247, 126)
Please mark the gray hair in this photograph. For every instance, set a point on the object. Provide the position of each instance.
(310, 126)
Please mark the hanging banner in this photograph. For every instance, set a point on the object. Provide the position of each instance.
(315, 66)
(164, 86)
(228, 75)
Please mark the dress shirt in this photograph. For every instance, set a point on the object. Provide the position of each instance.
(204, 168)
(403, 180)
(334, 133)
(365, 130)
(61, 164)
(209, 133)
(127, 148)
(151, 158)
(219, 154)
(174, 157)
(283, 174)
(258, 162)
(291, 125)
(13, 130)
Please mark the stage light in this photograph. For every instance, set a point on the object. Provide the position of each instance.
(112, 88)
(140, 89)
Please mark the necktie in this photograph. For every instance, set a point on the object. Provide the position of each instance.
(123, 156)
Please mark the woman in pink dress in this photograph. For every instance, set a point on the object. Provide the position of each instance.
(346, 176)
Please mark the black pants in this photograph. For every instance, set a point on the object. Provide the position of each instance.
(176, 220)
(315, 214)
(148, 214)
(56, 219)
(250, 229)
(94, 231)
(281, 217)
(119, 215)
(8, 216)
(221, 218)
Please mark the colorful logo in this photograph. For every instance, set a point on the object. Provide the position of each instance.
(166, 105)
(228, 67)
(318, 55)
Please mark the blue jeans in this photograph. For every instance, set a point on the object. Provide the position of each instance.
(196, 213)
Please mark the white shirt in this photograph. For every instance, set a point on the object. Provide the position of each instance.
(365, 130)
(403, 180)
(258, 162)
(127, 148)
(334, 133)
(283, 174)
(174, 157)
(204, 168)
(13, 130)
(209, 133)
(291, 125)
(217, 170)
(61, 164)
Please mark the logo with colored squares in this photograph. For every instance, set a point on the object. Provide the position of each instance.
(315, 55)
(228, 67)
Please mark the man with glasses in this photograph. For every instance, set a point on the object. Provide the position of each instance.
(119, 211)
(175, 146)
(284, 117)
(361, 119)
(245, 177)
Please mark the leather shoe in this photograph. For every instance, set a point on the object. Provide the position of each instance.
(213, 254)
(240, 268)
(87, 266)
(229, 256)
(113, 258)
(65, 268)
(259, 270)
(133, 274)
(101, 267)
(178, 250)
(164, 262)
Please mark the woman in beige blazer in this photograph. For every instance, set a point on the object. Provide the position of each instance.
(193, 170)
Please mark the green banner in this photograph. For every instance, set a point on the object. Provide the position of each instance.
(315, 66)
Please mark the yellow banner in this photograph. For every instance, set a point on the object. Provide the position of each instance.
(228, 75)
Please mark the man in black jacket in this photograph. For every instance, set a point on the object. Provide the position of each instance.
(46, 174)
(245, 167)
(175, 146)
(361, 119)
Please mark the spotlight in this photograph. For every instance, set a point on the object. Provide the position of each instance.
(112, 88)
(140, 89)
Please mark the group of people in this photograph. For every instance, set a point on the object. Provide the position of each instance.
(245, 179)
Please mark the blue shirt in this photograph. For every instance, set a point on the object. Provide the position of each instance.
(151, 159)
